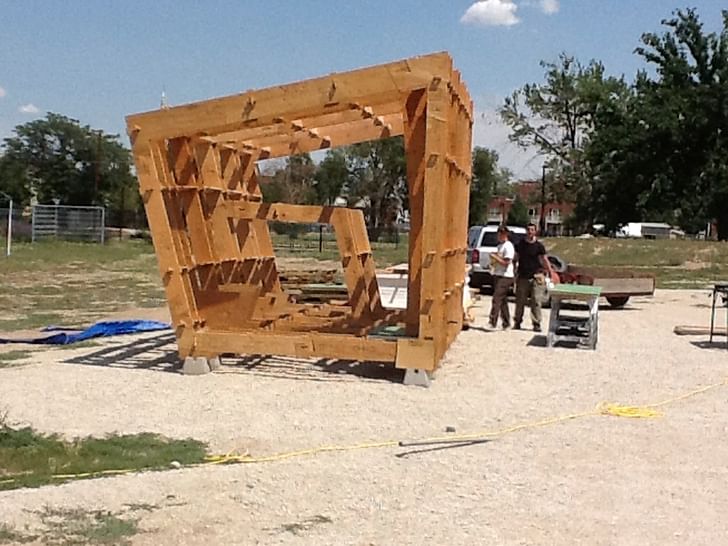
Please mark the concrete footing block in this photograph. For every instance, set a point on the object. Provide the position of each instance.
(214, 363)
(195, 365)
(418, 377)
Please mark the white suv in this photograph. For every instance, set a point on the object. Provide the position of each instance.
(482, 241)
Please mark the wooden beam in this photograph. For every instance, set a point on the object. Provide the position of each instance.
(321, 122)
(383, 83)
(280, 212)
(334, 136)
(213, 343)
(414, 143)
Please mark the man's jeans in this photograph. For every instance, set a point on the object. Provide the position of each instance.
(531, 291)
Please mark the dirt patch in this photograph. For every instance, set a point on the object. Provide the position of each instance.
(522, 487)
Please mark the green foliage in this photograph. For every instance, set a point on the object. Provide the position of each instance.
(331, 176)
(487, 180)
(378, 182)
(58, 158)
(667, 157)
(518, 213)
(656, 150)
(292, 183)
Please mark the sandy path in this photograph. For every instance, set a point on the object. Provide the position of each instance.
(597, 480)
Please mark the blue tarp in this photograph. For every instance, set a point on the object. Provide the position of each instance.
(100, 329)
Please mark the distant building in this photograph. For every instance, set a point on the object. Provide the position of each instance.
(530, 193)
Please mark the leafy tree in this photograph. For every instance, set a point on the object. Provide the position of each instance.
(331, 176)
(58, 158)
(518, 213)
(665, 155)
(293, 182)
(559, 116)
(378, 182)
(487, 178)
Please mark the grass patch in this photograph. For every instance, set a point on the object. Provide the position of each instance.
(30, 322)
(675, 263)
(11, 356)
(75, 284)
(77, 526)
(31, 459)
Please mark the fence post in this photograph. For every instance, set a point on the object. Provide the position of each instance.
(103, 224)
(10, 227)
(10, 222)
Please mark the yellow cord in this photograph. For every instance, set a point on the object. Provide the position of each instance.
(636, 412)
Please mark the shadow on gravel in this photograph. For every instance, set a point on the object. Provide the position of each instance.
(322, 369)
(711, 345)
(159, 353)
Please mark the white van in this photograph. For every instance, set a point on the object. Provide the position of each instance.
(482, 241)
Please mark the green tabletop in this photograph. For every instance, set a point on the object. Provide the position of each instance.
(582, 291)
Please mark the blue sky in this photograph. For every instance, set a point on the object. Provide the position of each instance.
(99, 61)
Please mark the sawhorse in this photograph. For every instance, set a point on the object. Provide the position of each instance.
(583, 330)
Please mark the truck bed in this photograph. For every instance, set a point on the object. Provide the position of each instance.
(615, 282)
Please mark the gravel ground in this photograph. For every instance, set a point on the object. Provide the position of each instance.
(593, 480)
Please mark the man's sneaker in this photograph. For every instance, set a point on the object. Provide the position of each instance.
(506, 326)
(492, 324)
(516, 325)
(536, 327)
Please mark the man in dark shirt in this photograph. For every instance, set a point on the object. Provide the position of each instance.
(532, 264)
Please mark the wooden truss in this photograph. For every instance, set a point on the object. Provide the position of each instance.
(198, 177)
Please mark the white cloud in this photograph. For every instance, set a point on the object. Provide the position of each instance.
(550, 7)
(491, 13)
(2, 92)
(28, 109)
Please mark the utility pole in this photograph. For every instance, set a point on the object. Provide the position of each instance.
(542, 222)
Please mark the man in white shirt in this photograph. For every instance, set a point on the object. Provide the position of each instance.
(502, 261)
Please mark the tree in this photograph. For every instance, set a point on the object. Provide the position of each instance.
(378, 182)
(57, 158)
(331, 177)
(665, 155)
(293, 182)
(559, 116)
(518, 213)
(487, 177)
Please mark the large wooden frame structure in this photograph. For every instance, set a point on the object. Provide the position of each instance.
(197, 173)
